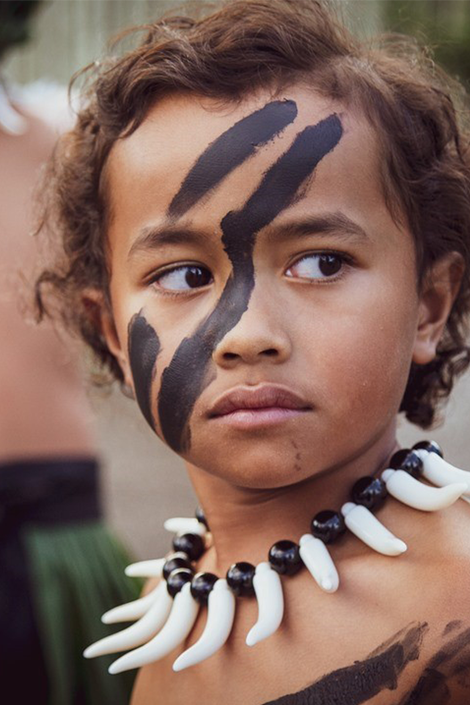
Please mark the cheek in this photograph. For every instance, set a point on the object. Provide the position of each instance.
(366, 348)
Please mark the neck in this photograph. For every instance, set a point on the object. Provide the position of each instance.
(244, 523)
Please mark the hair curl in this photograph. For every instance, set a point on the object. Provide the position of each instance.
(415, 108)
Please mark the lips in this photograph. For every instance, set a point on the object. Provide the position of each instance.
(265, 397)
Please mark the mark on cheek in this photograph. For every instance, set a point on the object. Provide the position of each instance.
(144, 346)
(364, 679)
(183, 379)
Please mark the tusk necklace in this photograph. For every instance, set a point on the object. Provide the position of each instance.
(164, 617)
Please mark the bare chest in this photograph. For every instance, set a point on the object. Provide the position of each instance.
(374, 644)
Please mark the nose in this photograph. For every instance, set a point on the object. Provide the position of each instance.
(258, 336)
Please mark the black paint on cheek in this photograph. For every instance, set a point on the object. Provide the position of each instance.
(144, 347)
(183, 380)
(230, 150)
(364, 679)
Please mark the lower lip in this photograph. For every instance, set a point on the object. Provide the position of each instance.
(258, 418)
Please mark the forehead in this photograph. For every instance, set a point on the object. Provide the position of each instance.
(146, 170)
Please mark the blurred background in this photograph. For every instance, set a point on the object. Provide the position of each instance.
(143, 482)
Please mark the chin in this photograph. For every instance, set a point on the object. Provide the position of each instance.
(260, 466)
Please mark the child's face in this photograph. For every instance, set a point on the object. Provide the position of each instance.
(260, 270)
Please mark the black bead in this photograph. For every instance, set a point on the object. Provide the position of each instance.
(177, 579)
(201, 585)
(240, 579)
(398, 458)
(327, 525)
(369, 491)
(200, 516)
(408, 461)
(192, 544)
(176, 560)
(430, 446)
(284, 557)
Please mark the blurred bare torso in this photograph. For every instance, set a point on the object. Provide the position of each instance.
(43, 409)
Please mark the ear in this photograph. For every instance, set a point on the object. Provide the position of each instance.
(440, 289)
(100, 315)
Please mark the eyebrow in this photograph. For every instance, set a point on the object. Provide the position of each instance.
(337, 223)
(151, 237)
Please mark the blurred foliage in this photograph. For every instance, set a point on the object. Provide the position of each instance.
(15, 22)
(442, 24)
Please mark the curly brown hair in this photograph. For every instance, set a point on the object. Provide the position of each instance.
(417, 111)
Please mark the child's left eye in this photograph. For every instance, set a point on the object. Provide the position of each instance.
(317, 266)
(183, 278)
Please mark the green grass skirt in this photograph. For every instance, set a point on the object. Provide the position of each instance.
(77, 575)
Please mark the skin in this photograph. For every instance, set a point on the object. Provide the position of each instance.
(44, 411)
(344, 343)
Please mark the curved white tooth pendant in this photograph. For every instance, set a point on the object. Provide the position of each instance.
(319, 563)
(131, 610)
(363, 524)
(440, 472)
(270, 598)
(184, 525)
(137, 633)
(220, 616)
(146, 569)
(175, 630)
(415, 494)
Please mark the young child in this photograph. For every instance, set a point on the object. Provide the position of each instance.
(265, 234)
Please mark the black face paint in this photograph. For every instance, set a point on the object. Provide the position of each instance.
(144, 346)
(230, 150)
(364, 679)
(183, 380)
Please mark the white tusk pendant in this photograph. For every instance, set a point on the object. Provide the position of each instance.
(363, 524)
(440, 472)
(419, 496)
(131, 610)
(220, 616)
(184, 525)
(175, 630)
(316, 557)
(137, 633)
(268, 590)
(146, 569)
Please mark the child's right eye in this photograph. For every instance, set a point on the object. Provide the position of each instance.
(183, 278)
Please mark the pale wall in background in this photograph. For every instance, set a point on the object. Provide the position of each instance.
(143, 481)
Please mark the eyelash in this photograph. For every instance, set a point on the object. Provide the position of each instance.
(346, 261)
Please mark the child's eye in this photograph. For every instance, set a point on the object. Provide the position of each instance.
(317, 266)
(183, 278)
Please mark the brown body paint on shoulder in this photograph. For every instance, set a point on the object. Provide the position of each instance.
(450, 664)
(363, 680)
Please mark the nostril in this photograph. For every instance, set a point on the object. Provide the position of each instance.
(271, 352)
(230, 356)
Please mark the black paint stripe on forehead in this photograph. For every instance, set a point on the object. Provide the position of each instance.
(280, 185)
(184, 379)
(144, 347)
(230, 150)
